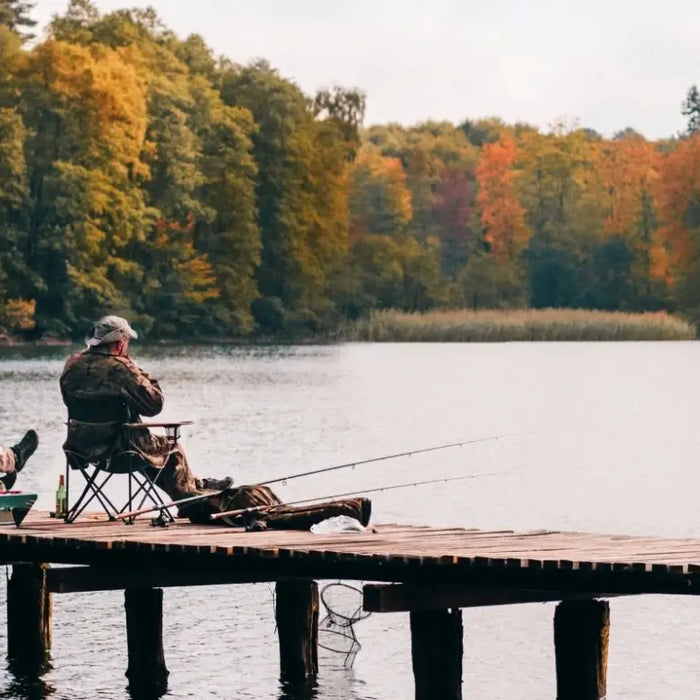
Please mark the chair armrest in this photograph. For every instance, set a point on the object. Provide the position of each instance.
(171, 424)
(172, 429)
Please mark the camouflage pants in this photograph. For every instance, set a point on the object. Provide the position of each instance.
(281, 517)
(166, 465)
(7, 460)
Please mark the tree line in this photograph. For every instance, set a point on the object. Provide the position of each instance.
(142, 175)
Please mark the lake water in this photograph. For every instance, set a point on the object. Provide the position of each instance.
(606, 439)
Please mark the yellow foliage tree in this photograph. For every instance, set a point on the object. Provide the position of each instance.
(380, 201)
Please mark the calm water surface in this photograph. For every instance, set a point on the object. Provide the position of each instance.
(606, 441)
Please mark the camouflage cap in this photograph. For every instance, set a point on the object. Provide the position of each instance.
(110, 329)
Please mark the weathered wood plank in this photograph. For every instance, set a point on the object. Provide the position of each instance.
(383, 598)
(296, 612)
(86, 578)
(147, 673)
(29, 617)
(543, 560)
(437, 649)
(581, 633)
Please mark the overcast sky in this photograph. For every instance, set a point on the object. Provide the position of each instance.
(607, 63)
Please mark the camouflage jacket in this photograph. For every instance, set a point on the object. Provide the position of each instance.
(102, 392)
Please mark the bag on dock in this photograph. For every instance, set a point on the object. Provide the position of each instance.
(273, 513)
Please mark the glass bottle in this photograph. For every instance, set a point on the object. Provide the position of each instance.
(61, 497)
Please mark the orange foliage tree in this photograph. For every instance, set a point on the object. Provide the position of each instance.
(628, 171)
(678, 198)
(502, 216)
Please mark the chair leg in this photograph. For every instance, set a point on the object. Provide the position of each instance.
(150, 492)
(84, 499)
(93, 490)
(133, 494)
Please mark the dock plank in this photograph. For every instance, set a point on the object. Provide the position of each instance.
(549, 559)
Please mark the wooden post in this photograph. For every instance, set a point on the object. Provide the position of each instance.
(147, 673)
(29, 615)
(437, 647)
(296, 612)
(581, 632)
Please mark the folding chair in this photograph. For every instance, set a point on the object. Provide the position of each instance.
(98, 473)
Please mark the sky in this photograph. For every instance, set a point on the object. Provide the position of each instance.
(604, 64)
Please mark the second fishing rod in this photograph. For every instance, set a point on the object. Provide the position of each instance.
(373, 460)
(252, 510)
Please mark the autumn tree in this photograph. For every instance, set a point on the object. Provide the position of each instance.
(691, 109)
(563, 198)
(15, 277)
(141, 173)
(482, 131)
(230, 235)
(380, 201)
(197, 256)
(16, 14)
(438, 162)
(502, 216)
(301, 154)
(86, 118)
(344, 109)
(627, 168)
(453, 211)
(676, 255)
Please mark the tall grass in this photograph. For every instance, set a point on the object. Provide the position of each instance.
(464, 325)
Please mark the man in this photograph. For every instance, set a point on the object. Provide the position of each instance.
(13, 459)
(103, 388)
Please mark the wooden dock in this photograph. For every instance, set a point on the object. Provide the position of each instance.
(429, 572)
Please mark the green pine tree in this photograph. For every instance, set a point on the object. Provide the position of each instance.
(16, 15)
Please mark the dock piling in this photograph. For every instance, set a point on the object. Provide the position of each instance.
(437, 648)
(296, 612)
(29, 614)
(147, 673)
(581, 633)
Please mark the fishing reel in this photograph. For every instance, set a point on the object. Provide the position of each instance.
(163, 520)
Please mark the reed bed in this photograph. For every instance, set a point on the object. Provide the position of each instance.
(467, 326)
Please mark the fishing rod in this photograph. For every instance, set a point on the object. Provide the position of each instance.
(285, 479)
(194, 499)
(259, 509)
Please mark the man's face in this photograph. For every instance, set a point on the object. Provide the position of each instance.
(123, 347)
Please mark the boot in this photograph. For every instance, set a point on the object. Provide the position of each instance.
(217, 484)
(25, 448)
(8, 481)
(366, 511)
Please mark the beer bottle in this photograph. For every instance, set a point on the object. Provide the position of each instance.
(61, 498)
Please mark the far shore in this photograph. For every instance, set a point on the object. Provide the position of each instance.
(465, 325)
(451, 325)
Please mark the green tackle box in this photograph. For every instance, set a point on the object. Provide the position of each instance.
(14, 506)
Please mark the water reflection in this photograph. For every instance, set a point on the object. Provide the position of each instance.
(27, 683)
(299, 690)
(143, 694)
